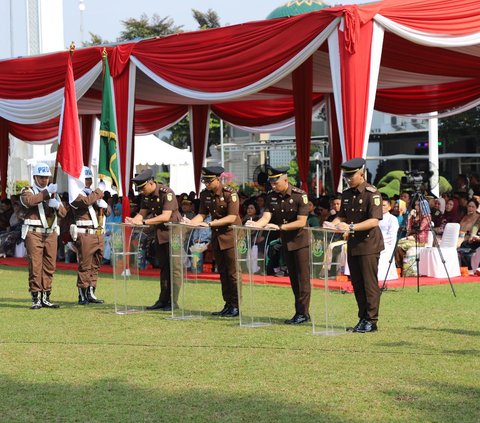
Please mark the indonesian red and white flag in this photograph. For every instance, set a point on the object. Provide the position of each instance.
(70, 154)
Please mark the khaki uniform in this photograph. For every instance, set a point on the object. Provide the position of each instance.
(41, 238)
(163, 198)
(285, 208)
(364, 247)
(90, 244)
(223, 202)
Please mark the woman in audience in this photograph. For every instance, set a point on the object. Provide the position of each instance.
(469, 239)
(449, 216)
(418, 226)
(469, 221)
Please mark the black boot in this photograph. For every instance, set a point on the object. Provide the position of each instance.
(82, 296)
(91, 296)
(46, 300)
(36, 302)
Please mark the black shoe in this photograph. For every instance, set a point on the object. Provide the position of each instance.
(222, 311)
(298, 319)
(46, 300)
(169, 307)
(157, 306)
(231, 312)
(82, 296)
(358, 326)
(91, 296)
(36, 301)
(368, 327)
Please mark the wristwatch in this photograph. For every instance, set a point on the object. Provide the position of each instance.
(351, 228)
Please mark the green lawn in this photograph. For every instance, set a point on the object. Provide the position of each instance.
(87, 364)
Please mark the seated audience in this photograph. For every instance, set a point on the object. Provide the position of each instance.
(418, 226)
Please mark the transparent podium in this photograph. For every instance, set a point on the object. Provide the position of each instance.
(250, 254)
(184, 284)
(126, 242)
(328, 307)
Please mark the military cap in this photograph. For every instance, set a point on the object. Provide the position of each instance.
(276, 173)
(351, 166)
(144, 177)
(184, 198)
(212, 172)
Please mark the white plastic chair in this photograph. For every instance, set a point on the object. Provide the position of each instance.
(430, 261)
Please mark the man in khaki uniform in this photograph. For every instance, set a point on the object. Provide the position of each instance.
(40, 232)
(89, 211)
(158, 206)
(287, 210)
(221, 202)
(359, 217)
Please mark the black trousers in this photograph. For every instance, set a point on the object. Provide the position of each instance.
(363, 272)
(298, 265)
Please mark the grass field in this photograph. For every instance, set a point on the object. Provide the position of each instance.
(87, 364)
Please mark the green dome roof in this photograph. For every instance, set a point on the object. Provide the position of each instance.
(297, 7)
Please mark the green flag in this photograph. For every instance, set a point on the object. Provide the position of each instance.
(108, 158)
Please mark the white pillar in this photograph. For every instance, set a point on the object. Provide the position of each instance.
(433, 153)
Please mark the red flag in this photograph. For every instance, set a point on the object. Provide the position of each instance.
(70, 155)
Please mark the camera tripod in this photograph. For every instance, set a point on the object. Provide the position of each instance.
(424, 210)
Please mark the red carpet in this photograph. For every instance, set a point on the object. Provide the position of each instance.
(267, 280)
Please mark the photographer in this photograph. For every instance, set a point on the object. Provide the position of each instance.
(418, 225)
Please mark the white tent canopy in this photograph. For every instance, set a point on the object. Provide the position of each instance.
(150, 150)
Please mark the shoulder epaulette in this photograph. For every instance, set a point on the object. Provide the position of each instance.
(298, 190)
(371, 188)
(163, 188)
(228, 188)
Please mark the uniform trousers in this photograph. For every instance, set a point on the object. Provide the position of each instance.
(227, 268)
(90, 249)
(41, 253)
(166, 282)
(298, 265)
(363, 272)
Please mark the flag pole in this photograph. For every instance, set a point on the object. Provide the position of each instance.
(55, 171)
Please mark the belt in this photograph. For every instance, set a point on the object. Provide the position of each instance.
(86, 231)
(41, 230)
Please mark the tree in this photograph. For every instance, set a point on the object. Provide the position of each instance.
(148, 28)
(95, 40)
(465, 123)
(209, 19)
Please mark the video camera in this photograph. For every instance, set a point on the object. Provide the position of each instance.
(415, 180)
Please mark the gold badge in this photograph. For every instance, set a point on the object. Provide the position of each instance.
(234, 198)
(376, 200)
(169, 196)
(305, 199)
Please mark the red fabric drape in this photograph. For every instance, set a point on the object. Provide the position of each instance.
(422, 99)
(121, 87)
(36, 76)
(199, 121)
(232, 57)
(37, 132)
(302, 80)
(334, 142)
(4, 147)
(255, 113)
(355, 76)
(87, 138)
(151, 120)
